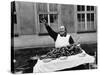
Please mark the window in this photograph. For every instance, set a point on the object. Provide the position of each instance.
(85, 18)
(53, 18)
(50, 14)
(80, 8)
(90, 17)
(90, 21)
(90, 8)
(81, 17)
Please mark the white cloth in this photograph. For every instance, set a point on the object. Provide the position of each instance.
(62, 41)
(58, 64)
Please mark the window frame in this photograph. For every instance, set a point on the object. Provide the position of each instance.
(85, 12)
(48, 13)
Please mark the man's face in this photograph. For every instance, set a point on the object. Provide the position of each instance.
(62, 31)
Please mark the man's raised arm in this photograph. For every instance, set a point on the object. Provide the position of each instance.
(51, 32)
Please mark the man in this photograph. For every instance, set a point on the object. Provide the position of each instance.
(62, 39)
(64, 43)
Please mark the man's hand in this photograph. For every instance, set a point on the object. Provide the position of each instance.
(43, 21)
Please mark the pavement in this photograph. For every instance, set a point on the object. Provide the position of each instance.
(27, 41)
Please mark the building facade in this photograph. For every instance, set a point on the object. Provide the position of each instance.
(78, 19)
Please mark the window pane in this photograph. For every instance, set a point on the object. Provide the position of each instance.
(92, 8)
(88, 8)
(41, 16)
(53, 18)
(83, 8)
(92, 16)
(88, 17)
(81, 26)
(79, 17)
(41, 7)
(83, 17)
(78, 8)
(81, 21)
(53, 7)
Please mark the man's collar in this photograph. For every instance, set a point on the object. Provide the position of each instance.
(63, 35)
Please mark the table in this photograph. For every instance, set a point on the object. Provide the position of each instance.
(58, 64)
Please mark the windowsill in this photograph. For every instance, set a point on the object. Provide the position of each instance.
(79, 32)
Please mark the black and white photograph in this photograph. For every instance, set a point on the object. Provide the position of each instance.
(53, 37)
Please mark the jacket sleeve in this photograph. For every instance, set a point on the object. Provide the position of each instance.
(71, 41)
(51, 32)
